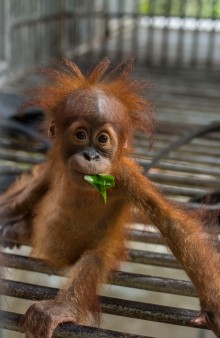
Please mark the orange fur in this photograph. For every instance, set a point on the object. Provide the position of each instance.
(66, 78)
(69, 223)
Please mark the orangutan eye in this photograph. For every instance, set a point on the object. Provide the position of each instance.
(103, 138)
(80, 135)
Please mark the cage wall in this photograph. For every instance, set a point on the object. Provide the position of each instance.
(163, 33)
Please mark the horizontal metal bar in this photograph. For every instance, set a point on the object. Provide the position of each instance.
(134, 256)
(21, 158)
(27, 263)
(184, 180)
(165, 136)
(180, 191)
(144, 236)
(120, 278)
(65, 15)
(192, 169)
(192, 148)
(198, 159)
(152, 283)
(115, 306)
(79, 15)
(9, 170)
(153, 258)
(175, 166)
(10, 321)
(16, 144)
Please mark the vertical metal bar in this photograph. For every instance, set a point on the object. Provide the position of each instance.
(77, 20)
(150, 32)
(104, 23)
(195, 41)
(120, 17)
(7, 37)
(83, 24)
(30, 35)
(165, 34)
(38, 34)
(15, 42)
(67, 23)
(212, 35)
(2, 30)
(76, 23)
(90, 24)
(181, 34)
(72, 26)
(135, 29)
(40, 29)
(62, 26)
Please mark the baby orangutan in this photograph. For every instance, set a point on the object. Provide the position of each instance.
(91, 121)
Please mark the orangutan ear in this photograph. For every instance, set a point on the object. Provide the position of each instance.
(52, 130)
(125, 144)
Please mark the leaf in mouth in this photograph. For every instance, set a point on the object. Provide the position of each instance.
(102, 182)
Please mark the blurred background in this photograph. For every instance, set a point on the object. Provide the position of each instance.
(176, 45)
(161, 33)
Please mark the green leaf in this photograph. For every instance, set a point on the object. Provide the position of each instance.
(101, 182)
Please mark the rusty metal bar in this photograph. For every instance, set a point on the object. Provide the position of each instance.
(145, 236)
(134, 256)
(119, 278)
(139, 281)
(151, 283)
(10, 321)
(133, 235)
(115, 306)
(153, 258)
(27, 263)
(145, 311)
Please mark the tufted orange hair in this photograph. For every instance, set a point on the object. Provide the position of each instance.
(66, 77)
